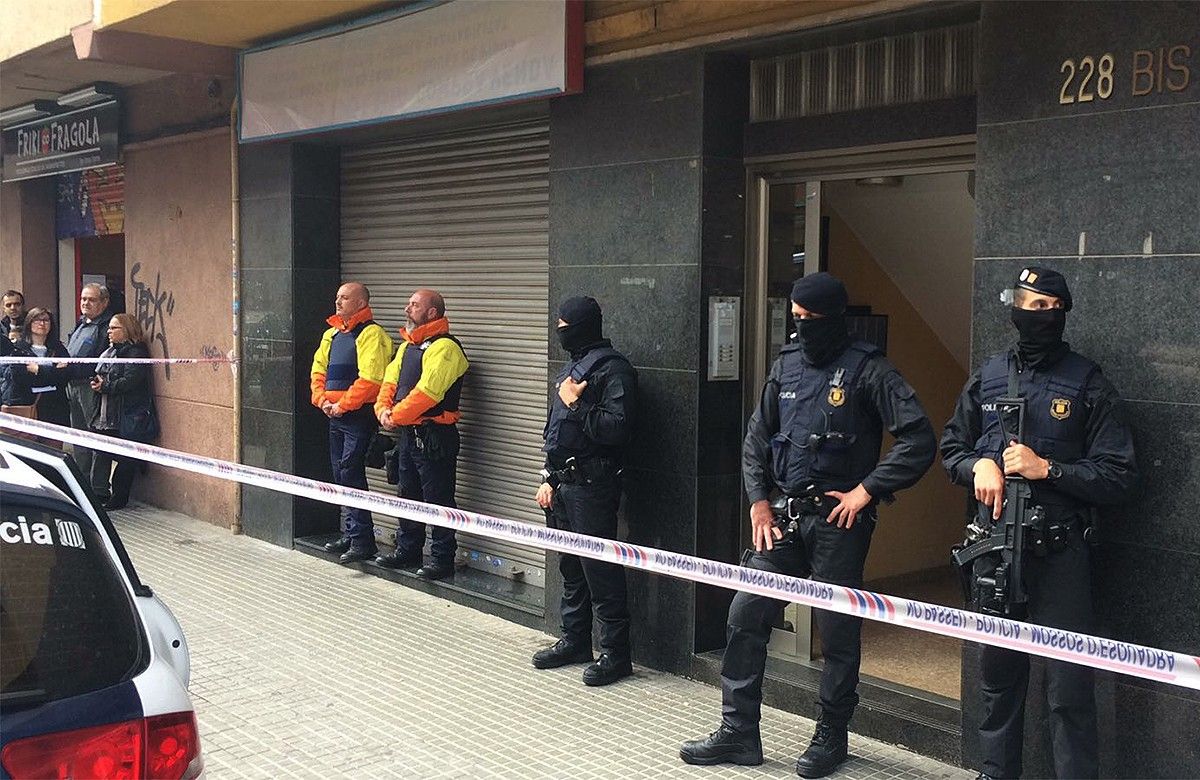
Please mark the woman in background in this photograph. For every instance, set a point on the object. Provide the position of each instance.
(48, 381)
(126, 408)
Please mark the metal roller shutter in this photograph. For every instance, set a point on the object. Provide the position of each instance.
(467, 213)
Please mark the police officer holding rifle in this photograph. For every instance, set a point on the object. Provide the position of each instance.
(1038, 436)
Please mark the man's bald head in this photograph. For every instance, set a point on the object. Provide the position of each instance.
(352, 297)
(424, 306)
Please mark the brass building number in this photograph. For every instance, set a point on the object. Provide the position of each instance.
(1095, 79)
(1090, 78)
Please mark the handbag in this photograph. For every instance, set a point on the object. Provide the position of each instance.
(21, 410)
(139, 424)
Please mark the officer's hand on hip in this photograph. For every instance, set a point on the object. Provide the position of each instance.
(989, 485)
(849, 505)
(545, 495)
(569, 390)
(763, 531)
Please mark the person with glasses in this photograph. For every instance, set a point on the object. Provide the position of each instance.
(124, 405)
(47, 381)
(89, 339)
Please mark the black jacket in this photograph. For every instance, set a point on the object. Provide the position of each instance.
(126, 387)
(1106, 474)
(51, 404)
(605, 412)
(891, 403)
(14, 389)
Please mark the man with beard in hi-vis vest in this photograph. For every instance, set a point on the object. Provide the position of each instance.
(813, 475)
(1075, 453)
(592, 407)
(420, 396)
(347, 370)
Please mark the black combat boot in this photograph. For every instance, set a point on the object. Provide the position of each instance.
(724, 746)
(399, 560)
(607, 669)
(827, 750)
(354, 554)
(563, 652)
(338, 545)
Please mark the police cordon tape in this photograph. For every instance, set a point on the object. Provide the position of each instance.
(1057, 644)
(18, 359)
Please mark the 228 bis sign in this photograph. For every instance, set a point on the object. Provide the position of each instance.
(1138, 73)
(72, 141)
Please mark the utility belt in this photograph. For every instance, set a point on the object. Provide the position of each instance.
(1047, 528)
(581, 472)
(794, 507)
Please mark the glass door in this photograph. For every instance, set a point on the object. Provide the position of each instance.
(787, 245)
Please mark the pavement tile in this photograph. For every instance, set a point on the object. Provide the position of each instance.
(305, 669)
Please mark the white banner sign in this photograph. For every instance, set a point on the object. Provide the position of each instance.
(447, 57)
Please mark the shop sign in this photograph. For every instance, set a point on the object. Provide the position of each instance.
(431, 60)
(73, 141)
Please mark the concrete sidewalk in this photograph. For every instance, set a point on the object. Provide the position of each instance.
(302, 668)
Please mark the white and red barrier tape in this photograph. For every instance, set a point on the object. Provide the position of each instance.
(1135, 660)
(22, 360)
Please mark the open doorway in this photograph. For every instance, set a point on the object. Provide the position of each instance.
(902, 240)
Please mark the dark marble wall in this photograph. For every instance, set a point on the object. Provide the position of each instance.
(625, 192)
(289, 249)
(1108, 192)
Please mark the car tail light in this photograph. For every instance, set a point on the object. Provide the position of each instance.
(161, 747)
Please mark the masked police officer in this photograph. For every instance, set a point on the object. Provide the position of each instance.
(815, 437)
(1077, 454)
(590, 422)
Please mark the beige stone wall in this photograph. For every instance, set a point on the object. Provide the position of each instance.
(27, 25)
(27, 245)
(915, 533)
(179, 285)
(614, 27)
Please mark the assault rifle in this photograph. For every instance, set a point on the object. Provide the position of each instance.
(1001, 591)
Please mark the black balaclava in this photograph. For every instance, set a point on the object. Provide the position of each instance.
(584, 324)
(1041, 334)
(824, 338)
(1041, 331)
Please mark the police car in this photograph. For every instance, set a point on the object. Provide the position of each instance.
(93, 666)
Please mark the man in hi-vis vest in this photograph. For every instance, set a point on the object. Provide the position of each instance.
(420, 395)
(346, 372)
(589, 427)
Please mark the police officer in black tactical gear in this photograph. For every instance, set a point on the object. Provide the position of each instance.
(815, 437)
(1077, 454)
(591, 416)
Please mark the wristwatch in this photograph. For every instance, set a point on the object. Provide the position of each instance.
(573, 405)
(1053, 470)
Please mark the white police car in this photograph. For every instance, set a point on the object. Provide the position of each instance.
(93, 666)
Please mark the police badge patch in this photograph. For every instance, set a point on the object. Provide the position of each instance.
(837, 396)
(1060, 408)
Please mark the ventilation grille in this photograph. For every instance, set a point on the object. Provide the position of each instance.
(884, 72)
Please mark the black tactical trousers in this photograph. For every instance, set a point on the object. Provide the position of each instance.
(1059, 589)
(428, 474)
(590, 585)
(827, 554)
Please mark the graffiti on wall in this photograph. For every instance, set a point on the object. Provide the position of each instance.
(152, 307)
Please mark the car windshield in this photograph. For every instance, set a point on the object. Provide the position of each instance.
(67, 623)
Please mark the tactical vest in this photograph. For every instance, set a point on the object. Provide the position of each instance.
(565, 437)
(343, 358)
(410, 374)
(1055, 412)
(828, 436)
